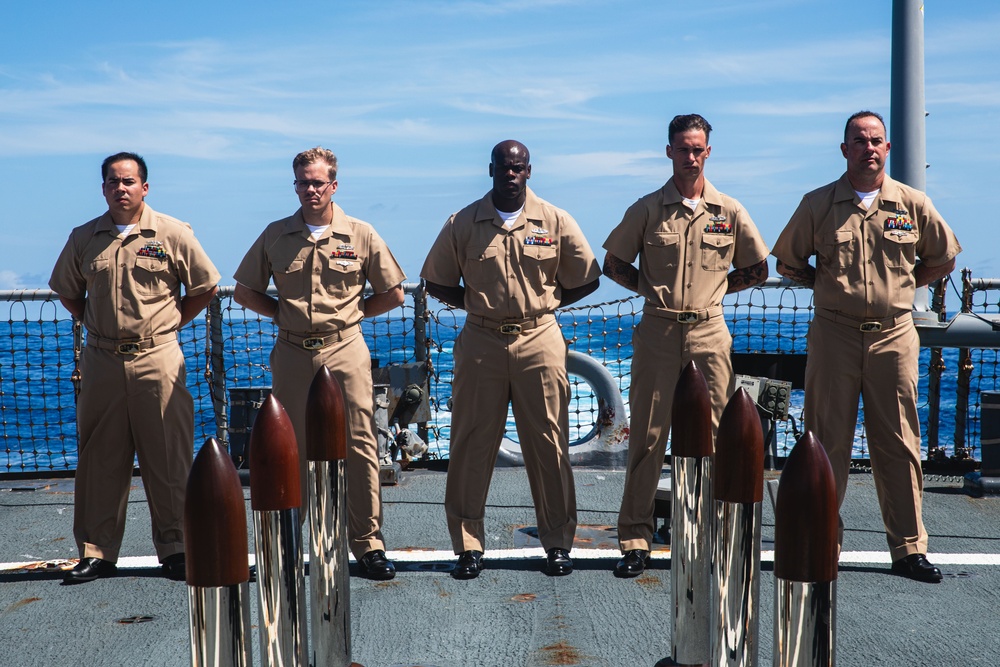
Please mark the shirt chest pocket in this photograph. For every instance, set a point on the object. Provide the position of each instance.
(289, 277)
(838, 250)
(900, 249)
(541, 253)
(717, 252)
(342, 275)
(97, 273)
(152, 276)
(662, 255)
(482, 266)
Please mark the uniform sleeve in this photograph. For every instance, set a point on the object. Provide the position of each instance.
(195, 269)
(255, 269)
(577, 264)
(937, 244)
(442, 265)
(795, 244)
(381, 268)
(625, 240)
(750, 246)
(67, 275)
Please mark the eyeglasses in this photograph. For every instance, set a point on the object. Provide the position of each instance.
(303, 186)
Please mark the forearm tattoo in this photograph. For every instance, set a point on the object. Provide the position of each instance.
(741, 279)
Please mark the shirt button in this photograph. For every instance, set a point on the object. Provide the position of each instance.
(689, 284)
(690, 264)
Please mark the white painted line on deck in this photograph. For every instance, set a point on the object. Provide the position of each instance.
(439, 555)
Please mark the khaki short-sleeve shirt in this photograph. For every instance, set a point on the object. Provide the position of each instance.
(320, 282)
(132, 284)
(685, 255)
(511, 273)
(865, 257)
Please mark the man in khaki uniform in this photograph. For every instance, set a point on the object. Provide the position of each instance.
(875, 241)
(509, 260)
(687, 235)
(122, 273)
(320, 259)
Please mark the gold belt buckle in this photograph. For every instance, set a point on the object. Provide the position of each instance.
(314, 343)
(871, 327)
(687, 317)
(510, 329)
(129, 348)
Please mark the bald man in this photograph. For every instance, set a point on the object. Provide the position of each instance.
(509, 260)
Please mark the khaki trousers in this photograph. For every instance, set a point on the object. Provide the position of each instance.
(528, 371)
(661, 349)
(292, 371)
(882, 368)
(128, 406)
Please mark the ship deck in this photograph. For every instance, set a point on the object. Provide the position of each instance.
(513, 614)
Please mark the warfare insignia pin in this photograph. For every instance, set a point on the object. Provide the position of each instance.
(538, 231)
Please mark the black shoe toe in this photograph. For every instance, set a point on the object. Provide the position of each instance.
(374, 565)
(632, 564)
(469, 565)
(918, 568)
(175, 567)
(89, 569)
(558, 563)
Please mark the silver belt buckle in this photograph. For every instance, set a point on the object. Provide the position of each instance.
(871, 327)
(314, 343)
(129, 348)
(510, 329)
(687, 317)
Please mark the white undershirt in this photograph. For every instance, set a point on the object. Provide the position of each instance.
(123, 230)
(509, 218)
(867, 197)
(692, 203)
(316, 231)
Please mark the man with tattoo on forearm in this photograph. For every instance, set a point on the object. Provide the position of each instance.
(687, 235)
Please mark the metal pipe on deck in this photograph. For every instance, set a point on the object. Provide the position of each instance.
(276, 500)
(806, 551)
(329, 574)
(690, 521)
(738, 488)
(215, 542)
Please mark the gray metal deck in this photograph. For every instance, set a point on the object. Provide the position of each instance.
(512, 614)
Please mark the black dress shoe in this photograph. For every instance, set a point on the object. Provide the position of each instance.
(632, 564)
(558, 563)
(469, 565)
(374, 565)
(175, 567)
(89, 569)
(917, 567)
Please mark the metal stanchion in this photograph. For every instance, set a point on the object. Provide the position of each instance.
(329, 576)
(690, 521)
(738, 487)
(805, 559)
(215, 541)
(276, 499)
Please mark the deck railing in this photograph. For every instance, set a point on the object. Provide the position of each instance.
(227, 350)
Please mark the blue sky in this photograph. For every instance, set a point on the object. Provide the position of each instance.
(413, 95)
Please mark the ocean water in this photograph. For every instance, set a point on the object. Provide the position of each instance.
(37, 408)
